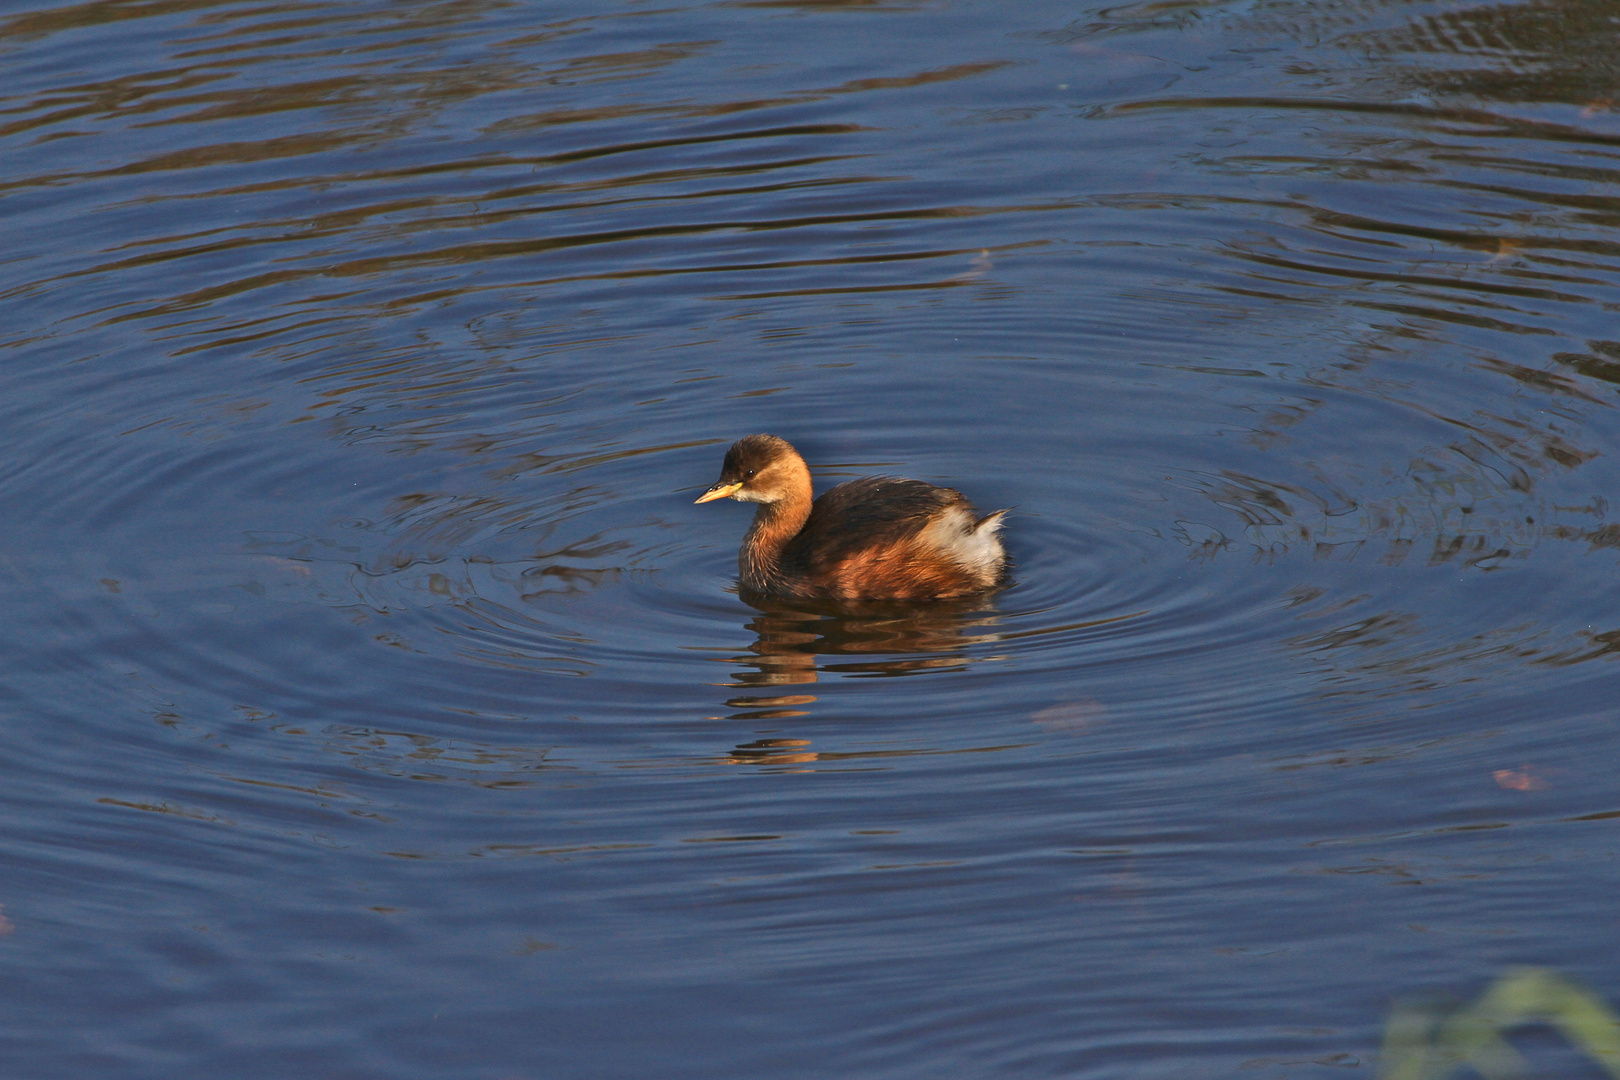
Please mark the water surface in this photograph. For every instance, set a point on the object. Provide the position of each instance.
(378, 705)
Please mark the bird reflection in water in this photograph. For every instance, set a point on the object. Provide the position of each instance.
(797, 640)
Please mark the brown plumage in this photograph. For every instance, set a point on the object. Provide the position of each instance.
(879, 537)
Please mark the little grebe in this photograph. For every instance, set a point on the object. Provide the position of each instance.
(879, 537)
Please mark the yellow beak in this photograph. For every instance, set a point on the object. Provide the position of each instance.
(719, 491)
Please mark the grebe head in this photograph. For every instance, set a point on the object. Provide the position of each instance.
(760, 469)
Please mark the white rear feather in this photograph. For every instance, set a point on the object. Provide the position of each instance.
(971, 544)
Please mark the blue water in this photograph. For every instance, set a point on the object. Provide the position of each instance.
(377, 705)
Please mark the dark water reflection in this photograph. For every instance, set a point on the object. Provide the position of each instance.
(376, 705)
(791, 634)
(798, 642)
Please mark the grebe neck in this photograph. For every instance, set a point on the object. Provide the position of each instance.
(775, 524)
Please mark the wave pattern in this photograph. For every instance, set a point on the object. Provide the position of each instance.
(379, 703)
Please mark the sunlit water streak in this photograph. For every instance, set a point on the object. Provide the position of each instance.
(379, 704)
